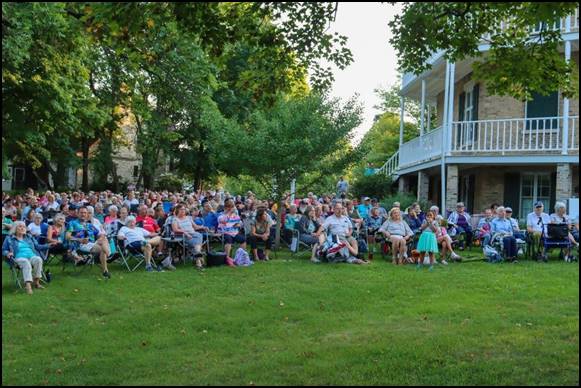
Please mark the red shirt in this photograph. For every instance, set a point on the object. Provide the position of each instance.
(149, 224)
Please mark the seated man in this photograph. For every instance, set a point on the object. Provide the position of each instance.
(354, 214)
(146, 220)
(340, 226)
(135, 239)
(373, 223)
(210, 216)
(537, 222)
(502, 227)
(364, 208)
(89, 239)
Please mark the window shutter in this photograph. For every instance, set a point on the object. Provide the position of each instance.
(512, 192)
(549, 207)
(461, 106)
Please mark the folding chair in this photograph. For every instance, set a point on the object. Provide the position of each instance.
(126, 253)
(557, 237)
(297, 246)
(14, 270)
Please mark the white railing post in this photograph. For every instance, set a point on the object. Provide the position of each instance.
(445, 128)
(565, 136)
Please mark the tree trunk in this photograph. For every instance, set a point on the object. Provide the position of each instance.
(198, 174)
(60, 175)
(279, 225)
(85, 151)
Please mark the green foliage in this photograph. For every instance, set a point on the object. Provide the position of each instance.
(169, 182)
(375, 186)
(296, 136)
(516, 63)
(405, 200)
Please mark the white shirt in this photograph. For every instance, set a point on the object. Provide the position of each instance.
(337, 226)
(533, 221)
(555, 218)
(133, 235)
(34, 229)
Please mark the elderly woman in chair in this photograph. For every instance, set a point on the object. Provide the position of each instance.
(502, 227)
(560, 217)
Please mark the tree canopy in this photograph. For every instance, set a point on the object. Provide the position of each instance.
(517, 64)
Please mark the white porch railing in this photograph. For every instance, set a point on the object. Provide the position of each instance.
(390, 167)
(421, 148)
(532, 135)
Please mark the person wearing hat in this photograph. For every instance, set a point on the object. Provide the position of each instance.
(503, 227)
(375, 204)
(537, 222)
(460, 219)
(516, 228)
(364, 208)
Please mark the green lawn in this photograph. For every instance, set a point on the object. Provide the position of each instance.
(292, 322)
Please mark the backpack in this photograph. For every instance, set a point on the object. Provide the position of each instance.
(242, 259)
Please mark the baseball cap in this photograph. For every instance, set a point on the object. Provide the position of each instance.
(460, 204)
(366, 199)
(508, 210)
(539, 204)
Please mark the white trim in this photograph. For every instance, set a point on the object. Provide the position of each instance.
(535, 176)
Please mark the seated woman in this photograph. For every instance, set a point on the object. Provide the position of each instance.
(135, 239)
(460, 220)
(560, 217)
(230, 225)
(35, 228)
(398, 232)
(308, 228)
(260, 232)
(483, 229)
(24, 250)
(56, 235)
(413, 220)
(502, 226)
(446, 242)
(184, 225)
(354, 214)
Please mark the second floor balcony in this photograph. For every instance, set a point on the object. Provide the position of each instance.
(517, 137)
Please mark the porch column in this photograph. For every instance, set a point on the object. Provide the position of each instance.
(448, 144)
(401, 112)
(565, 149)
(423, 186)
(443, 140)
(564, 182)
(428, 127)
(423, 107)
(452, 185)
(402, 184)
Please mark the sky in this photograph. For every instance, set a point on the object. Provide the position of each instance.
(374, 60)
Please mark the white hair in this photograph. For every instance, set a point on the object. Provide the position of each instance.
(560, 205)
(59, 217)
(500, 209)
(130, 219)
(114, 208)
(15, 226)
(434, 208)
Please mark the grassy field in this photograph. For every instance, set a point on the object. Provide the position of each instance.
(292, 322)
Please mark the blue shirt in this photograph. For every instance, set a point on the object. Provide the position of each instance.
(499, 225)
(25, 251)
(364, 210)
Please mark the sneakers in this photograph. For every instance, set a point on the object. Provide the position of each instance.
(107, 275)
(148, 268)
(314, 260)
(444, 262)
(456, 257)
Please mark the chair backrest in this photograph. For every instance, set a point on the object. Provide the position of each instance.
(558, 231)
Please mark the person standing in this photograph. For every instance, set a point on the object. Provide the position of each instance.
(342, 188)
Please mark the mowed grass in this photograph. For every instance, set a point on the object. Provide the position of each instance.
(292, 322)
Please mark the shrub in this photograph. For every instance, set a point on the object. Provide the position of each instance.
(377, 185)
(405, 200)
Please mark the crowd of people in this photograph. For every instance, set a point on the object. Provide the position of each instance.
(81, 225)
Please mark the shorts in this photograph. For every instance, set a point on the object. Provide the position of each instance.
(87, 248)
(137, 246)
(239, 238)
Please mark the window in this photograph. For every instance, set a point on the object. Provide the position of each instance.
(542, 107)
(19, 174)
(135, 171)
(534, 187)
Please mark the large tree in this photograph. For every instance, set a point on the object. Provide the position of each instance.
(517, 63)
